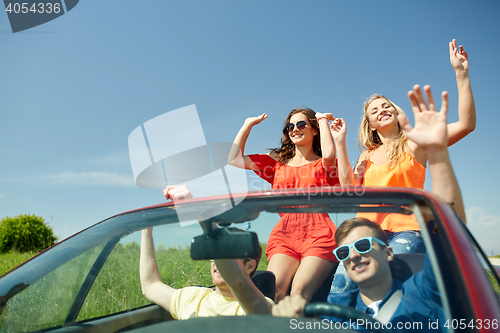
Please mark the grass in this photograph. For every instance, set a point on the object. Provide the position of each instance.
(493, 281)
(13, 259)
(117, 287)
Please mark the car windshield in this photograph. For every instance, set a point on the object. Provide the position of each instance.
(95, 273)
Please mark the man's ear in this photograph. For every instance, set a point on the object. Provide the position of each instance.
(251, 265)
(389, 253)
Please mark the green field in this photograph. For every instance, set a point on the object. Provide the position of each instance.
(116, 288)
(10, 260)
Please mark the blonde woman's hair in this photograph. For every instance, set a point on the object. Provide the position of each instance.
(368, 139)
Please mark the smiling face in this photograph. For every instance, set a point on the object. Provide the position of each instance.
(304, 136)
(381, 113)
(217, 279)
(367, 270)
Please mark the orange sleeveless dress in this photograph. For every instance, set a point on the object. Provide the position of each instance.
(408, 173)
(298, 235)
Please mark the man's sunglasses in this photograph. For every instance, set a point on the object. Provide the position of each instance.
(300, 125)
(362, 245)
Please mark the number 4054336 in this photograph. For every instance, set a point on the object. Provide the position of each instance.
(40, 8)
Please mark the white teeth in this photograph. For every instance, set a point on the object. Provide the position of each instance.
(360, 266)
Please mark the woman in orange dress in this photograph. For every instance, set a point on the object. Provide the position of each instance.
(301, 244)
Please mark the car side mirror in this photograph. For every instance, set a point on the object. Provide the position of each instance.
(225, 243)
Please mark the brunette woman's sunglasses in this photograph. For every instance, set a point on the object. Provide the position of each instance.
(363, 245)
(300, 125)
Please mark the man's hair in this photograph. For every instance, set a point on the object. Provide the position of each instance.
(356, 222)
(257, 260)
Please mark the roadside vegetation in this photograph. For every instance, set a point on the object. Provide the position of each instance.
(13, 259)
(116, 288)
(25, 233)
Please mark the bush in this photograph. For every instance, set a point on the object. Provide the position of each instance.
(25, 233)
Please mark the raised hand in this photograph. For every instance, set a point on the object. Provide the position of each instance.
(338, 128)
(255, 120)
(177, 193)
(430, 130)
(458, 57)
(328, 116)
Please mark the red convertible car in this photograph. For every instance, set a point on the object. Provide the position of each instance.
(90, 281)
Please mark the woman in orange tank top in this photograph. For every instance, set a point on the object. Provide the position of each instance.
(389, 158)
(301, 244)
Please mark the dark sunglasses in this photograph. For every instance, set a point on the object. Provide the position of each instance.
(300, 125)
(362, 245)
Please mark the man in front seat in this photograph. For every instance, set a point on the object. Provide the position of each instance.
(235, 294)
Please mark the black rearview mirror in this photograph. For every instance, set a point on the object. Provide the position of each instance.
(225, 243)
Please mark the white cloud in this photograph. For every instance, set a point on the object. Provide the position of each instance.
(2, 196)
(485, 227)
(98, 178)
(118, 158)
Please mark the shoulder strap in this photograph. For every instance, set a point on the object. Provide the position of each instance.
(387, 311)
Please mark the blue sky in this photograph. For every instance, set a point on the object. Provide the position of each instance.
(73, 89)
